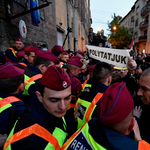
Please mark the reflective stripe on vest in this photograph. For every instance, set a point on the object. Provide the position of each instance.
(13, 51)
(36, 77)
(83, 85)
(86, 136)
(71, 105)
(89, 109)
(61, 64)
(29, 81)
(23, 64)
(34, 129)
(6, 102)
(143, 145)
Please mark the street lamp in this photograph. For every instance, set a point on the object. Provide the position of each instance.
(114, 28)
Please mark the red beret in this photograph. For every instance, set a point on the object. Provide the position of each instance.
(75, 57)
(20, 53)
(75, 62)
(91, 68)
(47, 55)
(11, 70)
(31, 49)
(65, 53)
(19, 39)
(57, 48)
(80, 52)
(115, 105)
(55, 78)
(75, 86)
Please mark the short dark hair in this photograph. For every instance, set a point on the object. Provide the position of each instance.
(101, 72)
(39, 60)
(10, 85)
(56, 52)
(27, 53)
(41, 89)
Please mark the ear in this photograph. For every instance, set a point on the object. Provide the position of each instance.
(39, 96)
(21, 88)
(131, 124)
(109, 80)
(42, 68)
(130, 128)
(25, 56)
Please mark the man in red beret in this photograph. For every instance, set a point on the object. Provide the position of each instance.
(74, 67)
(88, 100)
(33, 74)
(43, 126)
(11, 104)
(80, 54)
(114, 125)
(63, 60)
(57, 50)
(11, 52)
(88, 82)
(29, 55)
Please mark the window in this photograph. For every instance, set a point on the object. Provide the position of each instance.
(135, 35)
(132, 19)
(145, 32)
(136, 23)
(137, 10)
(59, 38)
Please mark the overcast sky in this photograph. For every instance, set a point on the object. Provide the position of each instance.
(103, 10)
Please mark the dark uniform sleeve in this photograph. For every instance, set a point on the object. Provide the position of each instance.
(10, 55)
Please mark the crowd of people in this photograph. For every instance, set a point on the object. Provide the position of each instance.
(59, 99)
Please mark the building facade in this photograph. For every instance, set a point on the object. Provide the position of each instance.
(62, 22)
(137, 20)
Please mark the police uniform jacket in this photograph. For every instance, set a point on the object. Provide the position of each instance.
(38, 115)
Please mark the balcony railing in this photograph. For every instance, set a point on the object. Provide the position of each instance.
(145, 10)
(144, 24)
(143, 38)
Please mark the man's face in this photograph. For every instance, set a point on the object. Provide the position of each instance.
(30, 58)
(123, 73)
(83, 69)
(91, 30)
(64, 58)
(144, 91)
(76, 72)
(19, 45)
(56, 102)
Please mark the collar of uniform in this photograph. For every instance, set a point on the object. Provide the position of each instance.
(99, 86)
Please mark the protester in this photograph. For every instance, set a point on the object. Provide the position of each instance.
(144, 94)
(114, 125)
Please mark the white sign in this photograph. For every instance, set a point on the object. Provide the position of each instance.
(22, 28)
(117, 57)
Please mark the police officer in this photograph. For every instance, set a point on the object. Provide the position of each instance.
(11, 87)
(114, 125)
(29, 56)
(43, 126)
(33, 74)
(11, 52)
(74, 66)
(63, 61)
(88, 100)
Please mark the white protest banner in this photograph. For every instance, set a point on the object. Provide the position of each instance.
(117, 57)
